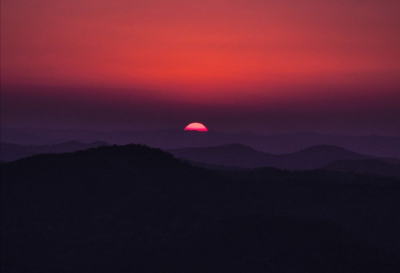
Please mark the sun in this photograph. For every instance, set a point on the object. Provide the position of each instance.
(196, 126)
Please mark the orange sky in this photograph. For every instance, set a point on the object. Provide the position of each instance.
(240, 52)
(180, 44)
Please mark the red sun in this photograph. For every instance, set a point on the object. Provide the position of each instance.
(195, 126)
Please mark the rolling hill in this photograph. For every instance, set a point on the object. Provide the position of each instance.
(11, 152)
(365, 166)
(137, 209)
(237, 155)
(379, 146)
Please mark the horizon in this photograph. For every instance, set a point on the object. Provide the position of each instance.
(210, 131)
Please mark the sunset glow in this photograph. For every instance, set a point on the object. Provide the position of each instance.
(278, 63)
(182, 44)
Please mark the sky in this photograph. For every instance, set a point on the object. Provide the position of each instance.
(239, 65)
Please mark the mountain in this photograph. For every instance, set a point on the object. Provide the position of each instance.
(319, 156)
(230, 155)
(10, 151)
(237, 155)
(379, 146)
(365, 166)
(137, 209)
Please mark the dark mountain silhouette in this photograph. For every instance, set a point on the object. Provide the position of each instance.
(10, 152)
(237, 155)
(136, 209)
(365, 166)
(380, 146)
(231, 155)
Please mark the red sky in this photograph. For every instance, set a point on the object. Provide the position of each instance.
(241, 56)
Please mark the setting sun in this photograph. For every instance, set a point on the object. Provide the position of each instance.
(196, 126)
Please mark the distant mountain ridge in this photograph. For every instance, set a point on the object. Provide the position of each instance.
(237, 155)
(380, 146)
(10, 151)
